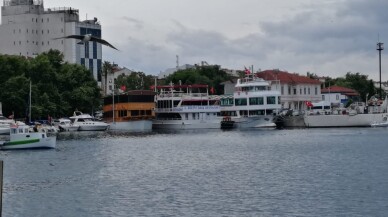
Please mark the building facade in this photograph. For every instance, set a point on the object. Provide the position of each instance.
(339, 96)
(28, 29)
(295, 89)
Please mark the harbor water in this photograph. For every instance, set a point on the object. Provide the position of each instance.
(301, 172)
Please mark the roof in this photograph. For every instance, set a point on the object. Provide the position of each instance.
(338, 89)
(286, 77)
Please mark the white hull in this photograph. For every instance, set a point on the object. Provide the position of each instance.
(263, 121)
(4, 131)
(186, 124)
(380, 124)
(358, 120)
(68, 128)
(93, 127)
(131, 126)
(48, 142)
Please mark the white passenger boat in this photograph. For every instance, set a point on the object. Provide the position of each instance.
(253, 103)
(86, 122)
(21, 137)
(356, 115)
(186, 107)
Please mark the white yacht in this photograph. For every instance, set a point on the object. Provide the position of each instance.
(86, 122)
(252, 105)
(4, 122)
(186, 107)
(65, 125)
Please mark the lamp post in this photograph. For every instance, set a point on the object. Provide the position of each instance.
(380, 47)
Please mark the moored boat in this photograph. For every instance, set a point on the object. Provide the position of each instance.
(253, 103)
(356, 115)
(22, 138)
(130, 112)
(186, 107)
(86, 122)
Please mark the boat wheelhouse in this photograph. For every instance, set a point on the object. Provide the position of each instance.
(186, 107)
(253, 103)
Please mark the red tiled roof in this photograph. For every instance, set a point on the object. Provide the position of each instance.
(286, 78)
(342, 90)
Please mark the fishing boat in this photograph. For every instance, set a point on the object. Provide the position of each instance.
(87, 123)
(253, 103)
(186, 107)
(21, 137)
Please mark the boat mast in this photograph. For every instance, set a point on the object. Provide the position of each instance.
(29, 109)
(113, 101)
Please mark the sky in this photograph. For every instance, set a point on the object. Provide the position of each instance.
(327, 37)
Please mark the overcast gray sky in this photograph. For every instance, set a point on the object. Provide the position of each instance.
(327, 37)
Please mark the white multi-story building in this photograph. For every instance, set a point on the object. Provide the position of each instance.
(28, 29)
(295, 89)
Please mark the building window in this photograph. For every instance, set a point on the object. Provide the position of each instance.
(61, 30)
(48, 20)
(27, 30)
(48, 42)
(14, 43)
(61, 19)
(20, 31)
(48, 31)
(289, 90)
(20, 43)
(42, 32)
(62, 41)
(14, 31)
(304, 91)
(32, 19)
(323, 97)
(282, 90)
(337, 97)
(36, 19)
(27, 41)
(294, 91)
(309, 91)
(316, 90)
(42, 20)
(42, 43)
(300, 91)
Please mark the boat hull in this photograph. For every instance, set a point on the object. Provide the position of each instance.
(358, 120)
(4, 131)
(93, 127)
(48, 142)
(185, 124)
(262, 121)
(131, 126)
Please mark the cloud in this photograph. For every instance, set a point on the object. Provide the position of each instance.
(134, 22)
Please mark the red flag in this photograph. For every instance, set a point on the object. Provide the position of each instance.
(247, 71)
(309, 104)
(123, 87)
(212, 90)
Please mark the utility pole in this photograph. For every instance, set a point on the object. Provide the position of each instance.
(380, 47)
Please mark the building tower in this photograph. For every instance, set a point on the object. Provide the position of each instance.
(28, 29)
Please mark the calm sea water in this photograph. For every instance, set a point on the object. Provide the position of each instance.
(304, 172)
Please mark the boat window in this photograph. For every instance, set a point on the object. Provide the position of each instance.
(187, 116)
(81, 120)
(193, 116)
(271, 100)
(256, 101)
(240, 102)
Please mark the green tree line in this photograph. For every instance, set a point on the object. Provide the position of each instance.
(58, 88)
